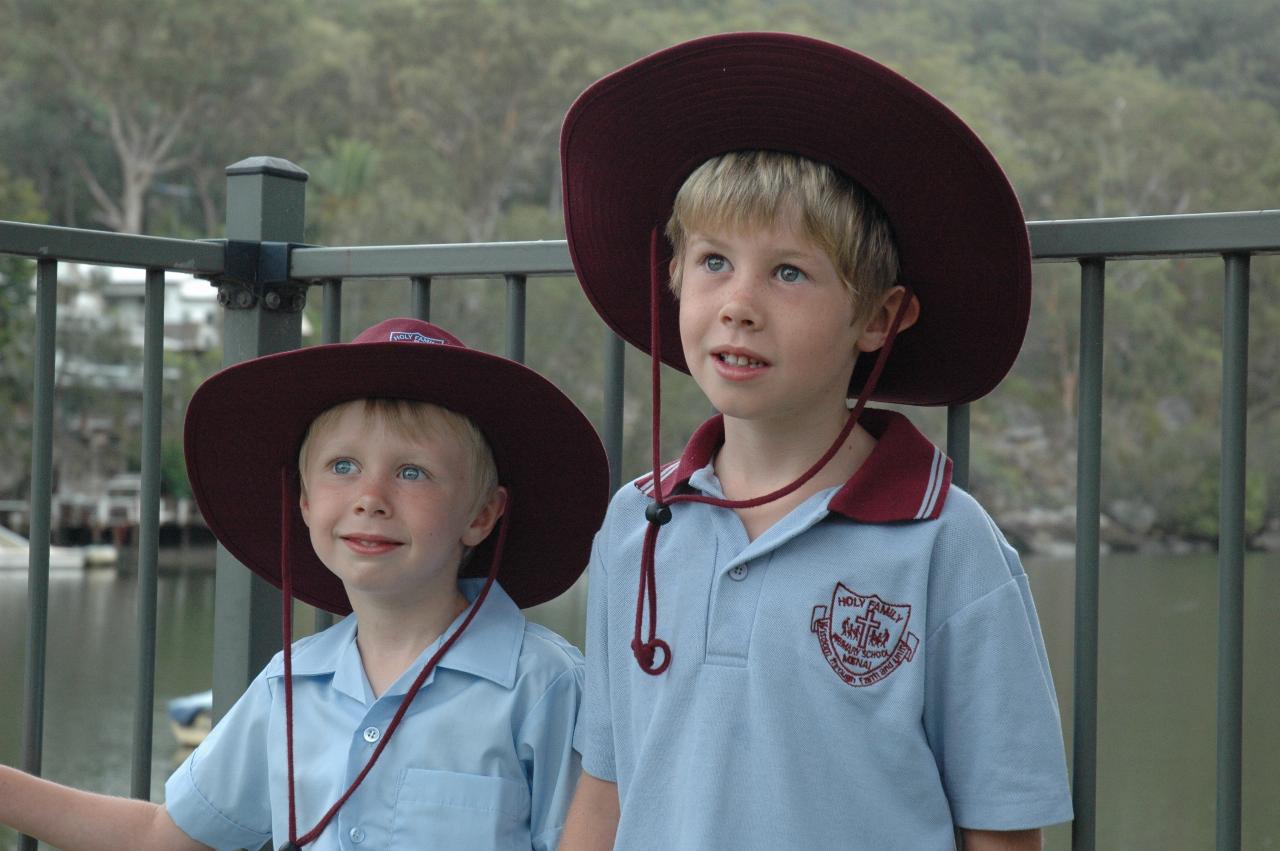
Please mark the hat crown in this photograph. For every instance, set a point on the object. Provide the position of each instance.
(405, 330)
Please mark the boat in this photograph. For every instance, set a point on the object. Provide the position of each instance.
(15, 553)
(100, 555)
(191, 717)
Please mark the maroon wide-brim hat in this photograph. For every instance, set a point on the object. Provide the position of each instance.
(631, 139)
(245, 424)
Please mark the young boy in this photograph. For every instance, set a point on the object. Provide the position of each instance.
(846, 654)
(367, 477)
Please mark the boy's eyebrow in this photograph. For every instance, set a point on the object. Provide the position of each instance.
(696, 237)
(783, 253)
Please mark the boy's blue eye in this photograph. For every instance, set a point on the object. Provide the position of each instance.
(790, 274)
(343, 466)
(412, 473)
(715, 263)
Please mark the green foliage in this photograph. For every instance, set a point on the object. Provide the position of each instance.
(173, 471)
(18, 200)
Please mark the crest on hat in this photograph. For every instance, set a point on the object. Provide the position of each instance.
(414, 337)
(863, 638)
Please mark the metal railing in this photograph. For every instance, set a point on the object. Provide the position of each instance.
(263, 273)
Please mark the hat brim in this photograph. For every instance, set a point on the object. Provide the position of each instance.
(631, 139)
(246, 423)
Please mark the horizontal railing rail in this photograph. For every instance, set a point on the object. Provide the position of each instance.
(1200, 235)
(264, 204)
(1203, 235)
(450, 260)
(73, 245)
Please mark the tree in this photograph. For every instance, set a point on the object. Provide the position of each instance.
(141, 83)
(18, 201)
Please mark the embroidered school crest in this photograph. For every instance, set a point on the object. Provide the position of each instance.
(863, 638)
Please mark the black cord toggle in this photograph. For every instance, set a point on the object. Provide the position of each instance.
(658, 514)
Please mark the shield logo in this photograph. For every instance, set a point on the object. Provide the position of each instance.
(863, 638)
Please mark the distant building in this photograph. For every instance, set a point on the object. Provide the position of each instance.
(114, 296)
(98, 372)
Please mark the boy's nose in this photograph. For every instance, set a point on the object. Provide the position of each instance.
(372, 501)
(740, 306)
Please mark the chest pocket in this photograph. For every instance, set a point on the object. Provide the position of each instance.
(445, 809)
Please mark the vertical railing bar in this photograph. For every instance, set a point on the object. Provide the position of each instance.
(958, 437)
(420, 289)
(515, 317)
(1235, 365)
(331, 312)
(614, 361)
(1084, 777)
(330, 332)
(148, 531)
(41, 515)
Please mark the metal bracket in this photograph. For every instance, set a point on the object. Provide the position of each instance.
(258, 272)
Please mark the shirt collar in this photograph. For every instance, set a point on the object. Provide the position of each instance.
(905, 477)
(490, 647)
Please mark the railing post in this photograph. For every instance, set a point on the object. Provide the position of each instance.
(41, 510)
(421, 297)
(265, 202)
(331, 320)
(516, 317)
(148, 532)
(1235, 368)
(1084, 761)
(330, 332)
(958, 444)
(614, 361)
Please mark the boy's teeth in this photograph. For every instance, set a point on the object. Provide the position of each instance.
(740, 360)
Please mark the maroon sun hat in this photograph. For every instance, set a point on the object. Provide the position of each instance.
(631, 139)
(245, 424)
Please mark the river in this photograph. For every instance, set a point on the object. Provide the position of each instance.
(1156, 754)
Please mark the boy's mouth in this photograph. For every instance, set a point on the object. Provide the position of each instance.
(739, 359)
(370, 543)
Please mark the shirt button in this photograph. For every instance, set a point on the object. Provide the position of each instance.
(371, 734)
(738, 572)
(357, 835)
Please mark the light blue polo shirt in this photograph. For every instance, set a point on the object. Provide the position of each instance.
(868, 673)
(482, 759)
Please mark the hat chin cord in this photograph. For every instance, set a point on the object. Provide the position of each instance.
(658, 513)
(287, 501)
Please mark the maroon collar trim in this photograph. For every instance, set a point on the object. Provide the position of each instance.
(904, 478)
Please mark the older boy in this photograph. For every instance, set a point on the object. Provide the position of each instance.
(846, 654)
(362, 477)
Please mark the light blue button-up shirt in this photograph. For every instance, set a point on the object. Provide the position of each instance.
(482, 759)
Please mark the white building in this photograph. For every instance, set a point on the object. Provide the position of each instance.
(112, 296)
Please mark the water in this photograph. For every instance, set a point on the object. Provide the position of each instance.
(1157, 670)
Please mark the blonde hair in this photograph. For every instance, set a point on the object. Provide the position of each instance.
(752, 189)
(417, 420)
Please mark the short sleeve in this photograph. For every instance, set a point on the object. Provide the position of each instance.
(545, 746)
(594, 738)
(991, 713)
(219, 794)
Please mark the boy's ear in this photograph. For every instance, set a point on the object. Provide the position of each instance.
(485, 518)
(304, 504)
(876, 331)
(673, 269)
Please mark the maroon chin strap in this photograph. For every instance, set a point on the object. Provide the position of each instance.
(658, 513)
(296, 842)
